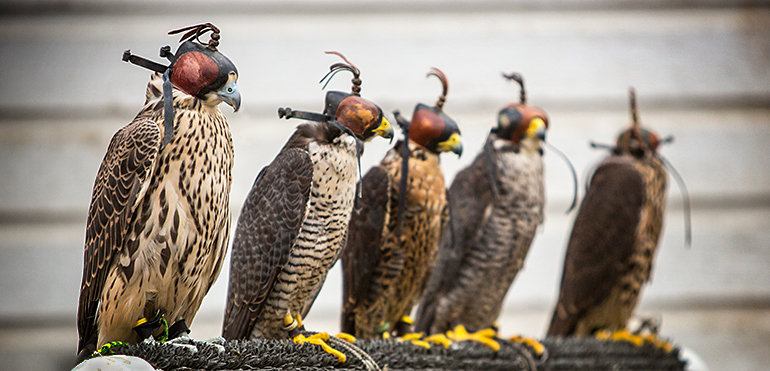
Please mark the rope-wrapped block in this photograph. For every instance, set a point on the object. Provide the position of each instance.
(562, 355)
(573, 354)
(459, 356)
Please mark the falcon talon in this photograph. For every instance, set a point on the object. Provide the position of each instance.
(439, 339)
(626, 336)
(320, 339)
(659, 343)
(535, 345)
(419, 343)
(414, 338)
(347, 337)
(485, 337)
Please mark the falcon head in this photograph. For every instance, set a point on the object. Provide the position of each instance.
(431, 127)
(518, 121)
(435, 131)
(362, 117)
(637, 140)
(197, 68)
(205, 73)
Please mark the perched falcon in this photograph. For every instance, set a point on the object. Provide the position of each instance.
(496, 206)
(612, 246)
(159, 219)
(295, 219)
(397, 225)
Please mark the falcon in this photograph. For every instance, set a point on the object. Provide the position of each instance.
(294, 221)
(159, 219)
(397, 225)
(614, 238)
(496, 207)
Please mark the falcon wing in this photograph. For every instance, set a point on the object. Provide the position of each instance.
(601, 243)
(363, 252)
(121, 181)
(154, 88)
(270, 221)
(468, 198)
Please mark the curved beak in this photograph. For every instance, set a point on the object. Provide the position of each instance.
(385, 129)
(536, 128)
(230, 94)
(454, 144)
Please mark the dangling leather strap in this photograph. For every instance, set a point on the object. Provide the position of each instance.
(168, 98)
(404, 173)
(168, 109)
(288, 113)
(142, 62)
(491, 167)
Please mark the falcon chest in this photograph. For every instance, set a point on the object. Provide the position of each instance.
(509, 226)
(181, 234)
(521, 181)
(325, 226)
(423, 223)
(513, 217)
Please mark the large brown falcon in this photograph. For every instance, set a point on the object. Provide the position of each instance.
(295, 219)
(496, 207)
(614, 238)
(397, 225)
(159, 219)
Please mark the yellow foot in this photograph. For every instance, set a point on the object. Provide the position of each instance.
(293, 324)
(403, 326)
(620, 335)
(530, 342)
(347, 337)
(320, 339)
(648, 331)
(485, 337)
(416, 339)
(439, 339)
(658, 342)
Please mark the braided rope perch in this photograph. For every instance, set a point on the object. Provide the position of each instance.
(564, 354)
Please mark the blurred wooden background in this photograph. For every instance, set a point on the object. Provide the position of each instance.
(701, 70)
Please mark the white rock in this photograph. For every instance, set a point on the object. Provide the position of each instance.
(114, 363)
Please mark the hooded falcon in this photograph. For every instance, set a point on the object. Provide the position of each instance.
(614, 238)
(295, 219)
(496, 206)
(159, 219)
(397, 225)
